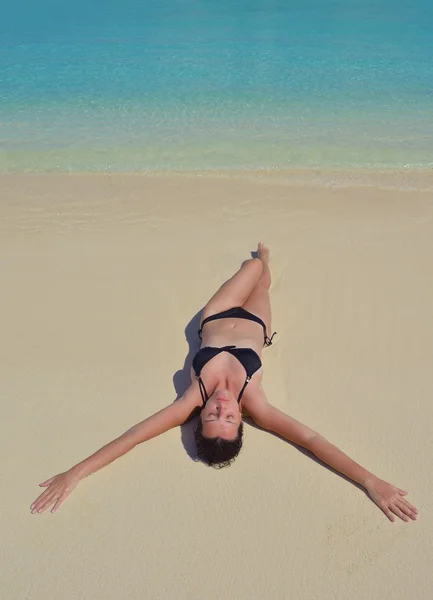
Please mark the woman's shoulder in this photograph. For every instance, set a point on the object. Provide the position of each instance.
(254, 398)
(192, 396)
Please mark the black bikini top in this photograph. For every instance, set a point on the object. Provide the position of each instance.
(249, 359)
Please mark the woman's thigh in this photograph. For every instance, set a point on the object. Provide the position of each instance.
(237, 290)
(259, 304)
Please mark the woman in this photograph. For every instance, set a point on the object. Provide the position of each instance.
(226, 384)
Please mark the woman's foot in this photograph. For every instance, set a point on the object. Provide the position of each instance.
(263, 253)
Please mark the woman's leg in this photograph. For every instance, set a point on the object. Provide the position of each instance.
(236, 290)
(258, 301)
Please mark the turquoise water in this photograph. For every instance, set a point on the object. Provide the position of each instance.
(135, 85)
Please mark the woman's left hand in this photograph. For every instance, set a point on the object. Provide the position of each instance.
(391, 500)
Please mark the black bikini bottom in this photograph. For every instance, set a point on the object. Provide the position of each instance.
(238, 313)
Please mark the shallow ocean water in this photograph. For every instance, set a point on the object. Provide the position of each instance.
(132, 86)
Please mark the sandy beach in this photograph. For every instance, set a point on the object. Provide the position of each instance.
(103, 277)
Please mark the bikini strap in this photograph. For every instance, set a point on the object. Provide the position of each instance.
(203, 392)
(268, 340)
(247, 380)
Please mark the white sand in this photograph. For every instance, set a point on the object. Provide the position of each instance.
(100, 277)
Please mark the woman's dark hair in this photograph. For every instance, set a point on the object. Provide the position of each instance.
(217, 452)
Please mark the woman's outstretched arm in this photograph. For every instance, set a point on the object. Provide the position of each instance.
(60, 486)
(388, 497)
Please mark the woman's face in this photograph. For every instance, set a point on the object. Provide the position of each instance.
(221, 416)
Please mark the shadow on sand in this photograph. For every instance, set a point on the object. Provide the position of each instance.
(182, 381)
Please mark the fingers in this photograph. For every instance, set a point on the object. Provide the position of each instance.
(407, 508)
(37, 503)
(59, 487)
(409, 505)
(47, 482)
(56, 496)
(45, 499)
(59, 502)
(45, 502)
(396, 510)
(388, 513)
(401, 508)
(402, 492)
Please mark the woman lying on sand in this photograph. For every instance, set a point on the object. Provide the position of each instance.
(226, 383)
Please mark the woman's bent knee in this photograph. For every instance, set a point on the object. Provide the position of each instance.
(253, 264)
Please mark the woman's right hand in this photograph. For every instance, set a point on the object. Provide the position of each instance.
(59, 488)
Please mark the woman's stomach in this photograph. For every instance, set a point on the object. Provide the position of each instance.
(233, 332)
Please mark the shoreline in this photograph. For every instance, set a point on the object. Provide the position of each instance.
(410, 179)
